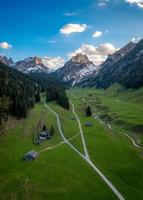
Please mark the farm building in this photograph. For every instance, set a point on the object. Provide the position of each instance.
(44, 135)
(88, 124)
(31, 155)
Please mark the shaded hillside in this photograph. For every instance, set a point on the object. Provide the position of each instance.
(46, 80)
(128, 71)
(17, 93)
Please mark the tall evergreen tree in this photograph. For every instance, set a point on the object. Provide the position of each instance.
(44, 127)
(37, 97)
(52, 131)
(88, 111)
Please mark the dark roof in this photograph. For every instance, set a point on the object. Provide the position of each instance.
(88, 124)
(31, 155)
(44, 133)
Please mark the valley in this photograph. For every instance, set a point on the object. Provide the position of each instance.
(71, 100)
(60, 173)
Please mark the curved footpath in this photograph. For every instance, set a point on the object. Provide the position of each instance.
(110, 127)
(86, 156)
(81, 132)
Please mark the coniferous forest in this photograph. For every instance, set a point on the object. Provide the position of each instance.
(19, 92)
(57, 94)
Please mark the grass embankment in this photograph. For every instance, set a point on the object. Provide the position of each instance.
(119, 107)
(56, 174)
(111, 151)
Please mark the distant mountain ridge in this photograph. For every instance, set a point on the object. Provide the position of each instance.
(75, 69)
(7, 61)
(32, 65)
(124, 66)
(28, 65)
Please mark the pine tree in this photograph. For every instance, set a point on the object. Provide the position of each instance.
(37, 97)
(52, 131)
(88, 111)
(44, 127)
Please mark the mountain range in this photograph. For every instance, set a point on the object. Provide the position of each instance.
(28, 65)
(125, 66)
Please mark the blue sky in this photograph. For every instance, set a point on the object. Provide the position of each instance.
(58, 29)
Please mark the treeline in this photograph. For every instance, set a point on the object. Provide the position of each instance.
(46, 80)
(18, 93)
(55, 93)
(54, 88)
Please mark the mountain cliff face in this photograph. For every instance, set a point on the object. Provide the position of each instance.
(7, 61)
(124, 66)
(28, 65)
(74, 70)
(31, 65)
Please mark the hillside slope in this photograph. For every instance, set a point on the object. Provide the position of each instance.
(128, 70)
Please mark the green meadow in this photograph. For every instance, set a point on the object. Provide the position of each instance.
(60, 173)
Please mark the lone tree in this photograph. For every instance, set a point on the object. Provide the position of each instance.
(52, 131)
(44, 127)
(88, 111)
(37, 97)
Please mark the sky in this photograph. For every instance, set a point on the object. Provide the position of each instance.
(59, 29)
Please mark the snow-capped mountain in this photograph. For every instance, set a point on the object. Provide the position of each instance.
(74, 70)
(32, 65)
(7, 61)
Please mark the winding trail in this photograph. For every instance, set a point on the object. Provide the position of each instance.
(57, 145)
(81, 132)
(86, 156)
(110, 127)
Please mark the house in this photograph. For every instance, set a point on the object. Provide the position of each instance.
(87, 124)
(31, 155)
(44, 135)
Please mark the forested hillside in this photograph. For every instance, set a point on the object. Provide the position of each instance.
(18, 93)
(46, 80)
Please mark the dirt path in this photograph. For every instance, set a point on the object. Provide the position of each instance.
(81, 132)
(57, 145)
(86, 156)
(110, 127)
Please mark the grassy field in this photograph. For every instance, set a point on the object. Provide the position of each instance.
(56, 174)
(60, 173)
(111, 151)
(121, 108)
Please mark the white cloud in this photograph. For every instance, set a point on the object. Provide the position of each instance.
(102, 3)
(70, 14)
(136, 39)
(97, 54)
(139, 3)
(73, 28)
(53, 62)
(5, 45)
(97, 34)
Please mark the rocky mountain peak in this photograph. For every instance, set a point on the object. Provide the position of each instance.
(80, 58)
(74, 70)
(7, 61)
(38, 60)
(32, 65)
